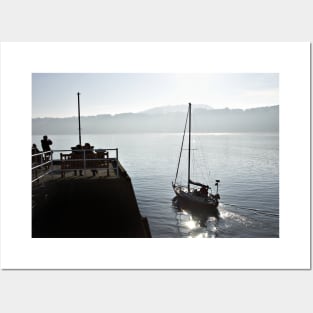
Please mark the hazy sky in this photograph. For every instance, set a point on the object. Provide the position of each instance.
(55, 95)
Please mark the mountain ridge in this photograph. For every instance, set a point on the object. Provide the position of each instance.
(262, 119)
(175, 108)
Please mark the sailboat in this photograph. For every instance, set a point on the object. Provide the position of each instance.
(194, 194)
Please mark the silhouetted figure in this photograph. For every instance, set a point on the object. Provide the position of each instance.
(35, 149)
(77, 153)
(87, 146)
(45, 144)
(90, 154)
(204, 191)
(36, 158)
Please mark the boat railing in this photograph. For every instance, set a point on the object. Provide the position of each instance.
(45, 163)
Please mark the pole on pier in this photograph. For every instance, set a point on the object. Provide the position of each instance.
(79, 129)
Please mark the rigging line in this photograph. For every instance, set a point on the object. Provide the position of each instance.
(181, 149)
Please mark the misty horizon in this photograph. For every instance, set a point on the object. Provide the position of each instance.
(181, 108)
(264, 119)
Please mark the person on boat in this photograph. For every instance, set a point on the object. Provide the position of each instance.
(204, 191)
(196, 192)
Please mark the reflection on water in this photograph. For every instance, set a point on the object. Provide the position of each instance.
(195, 222)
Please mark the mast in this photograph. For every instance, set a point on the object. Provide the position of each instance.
(80, 140)
(189, 147)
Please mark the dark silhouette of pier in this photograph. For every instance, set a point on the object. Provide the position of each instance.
(102, 206)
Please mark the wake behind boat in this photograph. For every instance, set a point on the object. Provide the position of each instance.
(200, 198)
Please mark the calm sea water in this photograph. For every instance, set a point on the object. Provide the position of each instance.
(246, 164)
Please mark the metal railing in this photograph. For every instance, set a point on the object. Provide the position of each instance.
(41, 165)
(44, 163)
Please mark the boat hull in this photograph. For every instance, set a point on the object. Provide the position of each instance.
(196, 202)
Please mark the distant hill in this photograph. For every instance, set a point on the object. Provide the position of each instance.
(265, 119)
(175, 108)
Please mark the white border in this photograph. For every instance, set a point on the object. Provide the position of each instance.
(290, 251)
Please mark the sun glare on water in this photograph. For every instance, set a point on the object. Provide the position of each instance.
(191, 224)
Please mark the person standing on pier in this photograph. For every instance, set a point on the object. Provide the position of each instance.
(45, 144)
